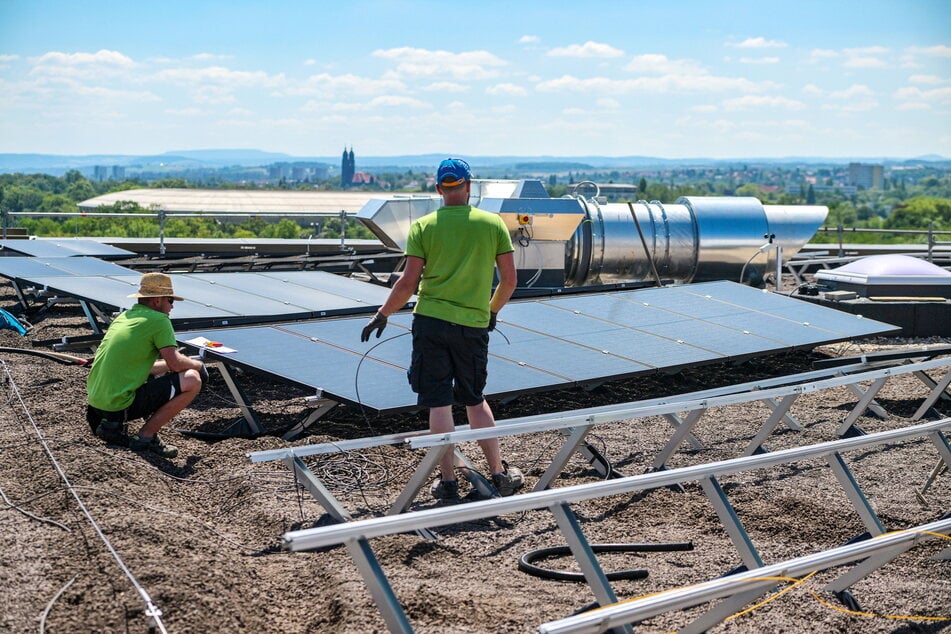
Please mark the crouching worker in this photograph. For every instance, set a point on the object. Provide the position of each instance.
(138, 372)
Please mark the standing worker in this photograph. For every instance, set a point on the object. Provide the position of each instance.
(138, 372)
(451, 255)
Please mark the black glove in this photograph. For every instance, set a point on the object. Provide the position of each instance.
(378, 322)
(492, 318)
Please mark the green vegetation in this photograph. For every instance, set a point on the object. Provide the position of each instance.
(913, 197)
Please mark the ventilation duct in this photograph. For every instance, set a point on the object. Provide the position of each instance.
(581, 241)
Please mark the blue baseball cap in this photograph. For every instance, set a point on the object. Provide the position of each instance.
(453, 172)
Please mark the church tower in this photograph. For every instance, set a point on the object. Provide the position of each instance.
(347, 168)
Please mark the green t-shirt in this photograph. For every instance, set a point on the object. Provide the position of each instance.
(459, 244)
(126, 355)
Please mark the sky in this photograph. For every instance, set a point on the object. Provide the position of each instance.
(669, 79)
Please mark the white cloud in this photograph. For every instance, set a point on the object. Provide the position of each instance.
(703, 109)
(327, 85)
(812, 89)
(470, 65)
(586, 50)
(864, 62)
(8, 58)
(209, 57)
(607, 103)
(397, 101)
(852, 92)
(506, 89)
(652, 85)
(446, 86)
(941, 50)
(759, 60)
(184, 112)
(819, 54)
(656, 63)
(762, 101)
(852, 106)
(865, 57)
(913, 105)
(102, 57)
(310, 62)
(218, 75)
(932, 80)
(758, 42)
(574, 112)
(935, 95)
(86, 66)
(529, 39)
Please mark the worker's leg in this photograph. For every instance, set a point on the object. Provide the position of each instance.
(480, 416)
(440, 422)
(190, 384)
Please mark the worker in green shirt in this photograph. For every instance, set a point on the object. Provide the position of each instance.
(451, 256)
(138, 372)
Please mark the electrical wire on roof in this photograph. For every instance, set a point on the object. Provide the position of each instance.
(152, 611)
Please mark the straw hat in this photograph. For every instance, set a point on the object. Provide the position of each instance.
(156, 285)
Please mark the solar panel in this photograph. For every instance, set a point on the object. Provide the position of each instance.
(63, 247)
(113, 293)
(213, 299)
(315, 292)
(549, 343)
(29, 267)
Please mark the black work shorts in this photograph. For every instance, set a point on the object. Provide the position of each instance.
(150, 396)
(449, 362)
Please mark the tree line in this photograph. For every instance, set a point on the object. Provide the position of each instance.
(920, 204)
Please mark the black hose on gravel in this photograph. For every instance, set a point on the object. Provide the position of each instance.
(526, 562)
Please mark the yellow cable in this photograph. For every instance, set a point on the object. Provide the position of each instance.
(795, 582)
(873, 614)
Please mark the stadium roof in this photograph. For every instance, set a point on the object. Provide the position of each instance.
(237, 200)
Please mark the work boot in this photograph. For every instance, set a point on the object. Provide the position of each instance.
(113, 432)
(509, 481)
(152, 445)
(445, 489)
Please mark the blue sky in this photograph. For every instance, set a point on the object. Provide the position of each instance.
(656, 78)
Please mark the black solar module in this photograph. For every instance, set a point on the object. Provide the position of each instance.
(51, 247)
(29, 267)
(315, 292)
(213, 299)
(550, 342)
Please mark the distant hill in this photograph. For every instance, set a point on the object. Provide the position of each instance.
(57, 164)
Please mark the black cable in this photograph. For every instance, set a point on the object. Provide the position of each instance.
(526, 565)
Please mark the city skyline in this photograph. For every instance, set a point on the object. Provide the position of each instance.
(694, 79)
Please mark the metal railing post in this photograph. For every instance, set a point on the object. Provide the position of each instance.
(931, 241)
(840, 229)
(161, 218)
(343, 230)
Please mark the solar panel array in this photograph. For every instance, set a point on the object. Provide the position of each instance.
(549, 343)
(212, 299)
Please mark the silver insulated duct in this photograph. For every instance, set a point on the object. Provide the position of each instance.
(587, 241)
(698, 238)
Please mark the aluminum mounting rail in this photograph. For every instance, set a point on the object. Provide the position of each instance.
(403, 437)
(668, 406)
(576, 424)
(356, 535)
(742, 588)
